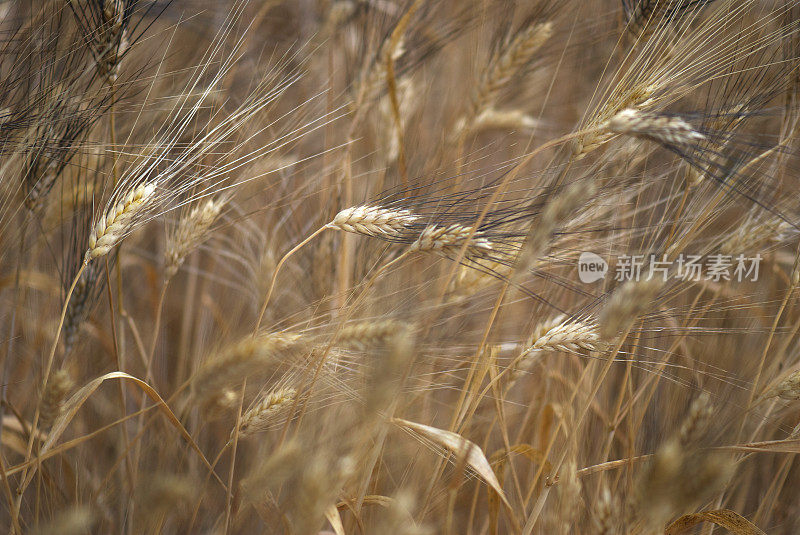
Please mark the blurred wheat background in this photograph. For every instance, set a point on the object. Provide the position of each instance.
(313, 266)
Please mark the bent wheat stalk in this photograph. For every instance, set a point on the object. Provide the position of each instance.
(48, 368)
(368, 220)
(275, 276)
(113, 225)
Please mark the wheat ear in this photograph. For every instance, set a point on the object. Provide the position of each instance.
(58, 386)
(192, 229)
(268, 411)
(441, 239)
(49, 365)
(662, 128)
(117, 221)
(374, 221)
(569, 336)
(516, 54)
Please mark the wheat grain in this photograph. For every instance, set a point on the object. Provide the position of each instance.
(514, 56)
(606, 514)
(788, 388)
(645, 16)
(493, 119)
(369, 334)
(109, 40)
(554, 212)
(79, 305)
(696, 422)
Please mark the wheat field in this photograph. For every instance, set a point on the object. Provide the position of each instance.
(400, 267)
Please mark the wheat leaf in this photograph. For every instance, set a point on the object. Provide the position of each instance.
(73, 404)
(733, 522)
(459, 445)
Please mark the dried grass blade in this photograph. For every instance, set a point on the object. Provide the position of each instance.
(332, 515)
(733, 522)
(791, 445)
(73, 404)
(459, 445)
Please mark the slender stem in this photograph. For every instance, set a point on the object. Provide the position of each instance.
(205, 482)
(275, 275)
(229, 498)
(118, 358)
(47, 369)
(17, 529)
(156, 329)
(11, 329)
(762, 361)
(149, 365)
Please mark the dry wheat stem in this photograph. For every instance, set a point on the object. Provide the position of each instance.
(351, 309)
(539, 505)
(391, 83)
(784, 302)
(235, 439)
(156, 328)
(49, 365)
(275, 276)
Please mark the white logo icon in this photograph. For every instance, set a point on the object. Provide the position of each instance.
(591, 267)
